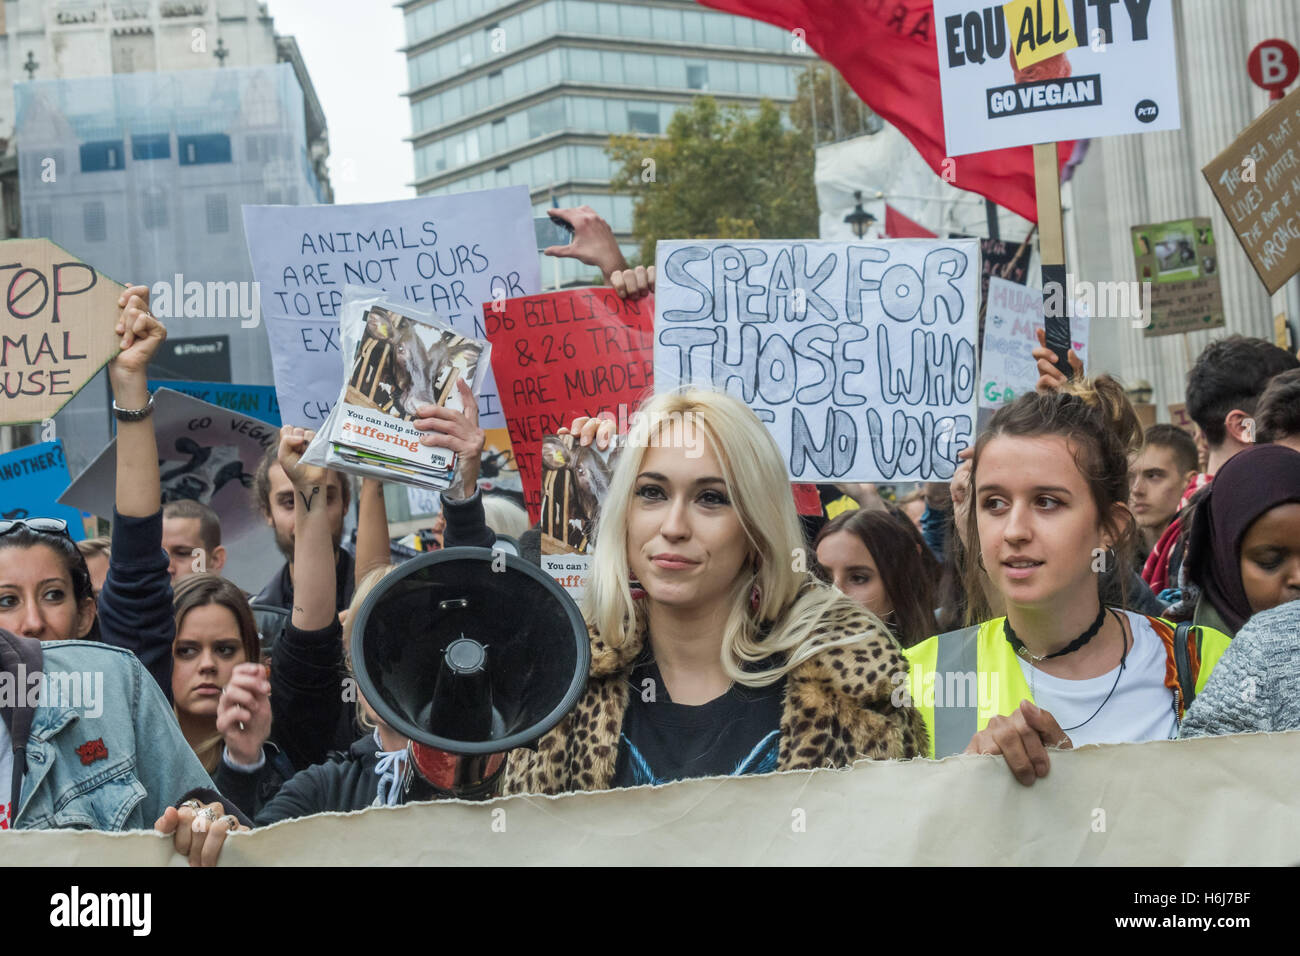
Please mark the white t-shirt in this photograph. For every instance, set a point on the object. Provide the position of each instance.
(6, 776)
(1142, 707)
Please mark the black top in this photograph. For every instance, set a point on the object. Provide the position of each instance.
(342, 784)
(278, 591)
(737, 733)
(135, 604)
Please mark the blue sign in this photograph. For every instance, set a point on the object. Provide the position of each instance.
(256, 401)
(31, 480)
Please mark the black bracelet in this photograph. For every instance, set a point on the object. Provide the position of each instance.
(133, 414)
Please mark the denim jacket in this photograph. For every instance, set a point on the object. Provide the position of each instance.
(110, 757)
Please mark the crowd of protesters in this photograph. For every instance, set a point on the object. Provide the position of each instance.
(1108, 584)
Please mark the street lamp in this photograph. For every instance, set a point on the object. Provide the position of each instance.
(859, 219)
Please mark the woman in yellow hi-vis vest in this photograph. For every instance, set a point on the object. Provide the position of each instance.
(1046, 513)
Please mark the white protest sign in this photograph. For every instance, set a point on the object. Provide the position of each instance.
(207, 454)
(1011, 319)
(859, 356)
(1041, 71)
(450, 254)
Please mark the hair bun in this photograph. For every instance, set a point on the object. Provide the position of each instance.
(1107, 395)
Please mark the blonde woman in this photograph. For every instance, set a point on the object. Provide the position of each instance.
(713, 650)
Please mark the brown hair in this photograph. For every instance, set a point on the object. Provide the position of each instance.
(1278, 413)
(1102, 429)
(1183, 445)
(907, 568)
(199, 590)
(209, 522)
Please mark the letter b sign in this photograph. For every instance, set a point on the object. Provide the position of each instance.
(1273, 65)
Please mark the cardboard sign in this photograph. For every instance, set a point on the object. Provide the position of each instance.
(1181, 262)
(208, 454)
(446, 253)
(31, 479)
(256, 400)
(1040, 71)
(1179, 417)
(56, 328)
(1257, 182)
(563, 355)
(859, 356)
(1014, 314)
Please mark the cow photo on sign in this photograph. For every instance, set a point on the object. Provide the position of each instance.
(575, 480)
(403, 364)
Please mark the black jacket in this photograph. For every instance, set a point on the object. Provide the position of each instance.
(344, 783)
(250, 791)
(312, 711)
(135, 605)
(278, 591)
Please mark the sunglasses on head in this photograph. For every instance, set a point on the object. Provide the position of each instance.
(42, 525)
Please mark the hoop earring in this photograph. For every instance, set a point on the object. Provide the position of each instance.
(638, 592)
(755, 597)
(979, 559)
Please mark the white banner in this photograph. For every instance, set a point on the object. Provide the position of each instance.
(860, 356)
(1011, 319)
(450, 254)
(1215, 801)
(1042, 71)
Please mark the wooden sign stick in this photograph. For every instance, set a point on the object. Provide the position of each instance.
(1051, 252)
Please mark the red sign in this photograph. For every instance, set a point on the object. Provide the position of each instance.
(1273, 65)
(562, 355)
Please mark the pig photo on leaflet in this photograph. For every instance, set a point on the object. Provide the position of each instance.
(575, 481)
(402, 364)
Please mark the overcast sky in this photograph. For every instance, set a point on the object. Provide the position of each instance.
(351, 51)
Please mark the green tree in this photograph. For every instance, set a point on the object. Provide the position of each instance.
(719, 173)
(815, 106)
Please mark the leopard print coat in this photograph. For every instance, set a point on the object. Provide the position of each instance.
(837, 709)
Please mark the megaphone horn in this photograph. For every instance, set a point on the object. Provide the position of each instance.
(469, 659)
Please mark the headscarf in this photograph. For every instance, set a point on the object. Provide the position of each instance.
(1251, 483)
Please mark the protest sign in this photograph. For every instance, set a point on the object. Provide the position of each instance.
(860, 357)
(208, 454)
(563, 355)
(448, 254)
(31, 479)
(1040, 71)
(962, 811)
(1178, 416)
(1014, 314)
(1181, 262)
(56, 327)
(256, 400)
(1257, 182)
(575, 479)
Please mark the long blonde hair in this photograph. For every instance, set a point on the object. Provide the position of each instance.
(790, 599)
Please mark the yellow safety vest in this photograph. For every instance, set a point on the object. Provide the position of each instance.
(960, 680)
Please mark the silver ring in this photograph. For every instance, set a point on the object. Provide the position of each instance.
(206, 813)
(233, 821)
(191, 804)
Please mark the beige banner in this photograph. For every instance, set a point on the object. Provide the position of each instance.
(1214, 801)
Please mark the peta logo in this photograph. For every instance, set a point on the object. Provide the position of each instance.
(77, 909)
(1146, 111)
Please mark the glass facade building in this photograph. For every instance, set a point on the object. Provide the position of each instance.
(528, 92)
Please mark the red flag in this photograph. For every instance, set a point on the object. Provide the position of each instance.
(898, 226)
(886, 51)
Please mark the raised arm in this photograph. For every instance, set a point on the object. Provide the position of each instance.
(314, 584)
(373, 550)
(138, 493)
(135, 605)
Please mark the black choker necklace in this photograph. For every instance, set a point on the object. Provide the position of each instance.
(1074, 645)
